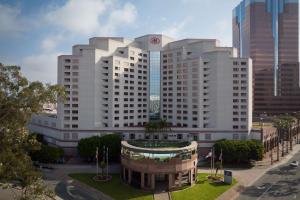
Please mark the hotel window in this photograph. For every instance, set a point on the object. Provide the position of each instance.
(74, 136)
(74, 125)
(66, 136)
(75, 118)
(235, 136)
(207, 136)
(179, 136)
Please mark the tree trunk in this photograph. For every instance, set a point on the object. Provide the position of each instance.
(277, 148)
(297, 132)
(291, 139)
(282, 148)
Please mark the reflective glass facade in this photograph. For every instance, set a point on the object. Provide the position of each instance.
(267, 31)
(154, 84)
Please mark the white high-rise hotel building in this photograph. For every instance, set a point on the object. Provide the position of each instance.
(202, 89)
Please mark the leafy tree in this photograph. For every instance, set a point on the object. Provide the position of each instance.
(87, 147)
(19, 99)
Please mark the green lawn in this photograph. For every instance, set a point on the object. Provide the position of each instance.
(114, 188)
(203, 189)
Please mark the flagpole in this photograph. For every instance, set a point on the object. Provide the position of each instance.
(222, 160)
(213, 159)
(107, 161)
(211, 163)
(97, 161)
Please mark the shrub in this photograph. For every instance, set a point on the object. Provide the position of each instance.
(239, 151)
(87, 147)
(47, 154)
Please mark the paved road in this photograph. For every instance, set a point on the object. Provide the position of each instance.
(282, 183)
(68, 191)
(65, 188)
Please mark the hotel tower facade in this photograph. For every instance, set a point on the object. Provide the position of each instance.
(116, 85)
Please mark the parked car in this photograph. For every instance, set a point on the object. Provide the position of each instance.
(294, 164)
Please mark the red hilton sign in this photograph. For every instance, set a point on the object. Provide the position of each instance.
(154, 40)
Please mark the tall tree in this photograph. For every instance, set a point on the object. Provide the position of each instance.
(19, 99)
(297, 116)
(283, 125)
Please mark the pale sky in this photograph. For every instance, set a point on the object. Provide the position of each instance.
(34, 32)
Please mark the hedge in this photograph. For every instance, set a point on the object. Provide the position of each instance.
(87, 147)
(236, 151)
(47, 154)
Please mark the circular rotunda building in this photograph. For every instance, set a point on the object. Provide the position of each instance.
(164, 164)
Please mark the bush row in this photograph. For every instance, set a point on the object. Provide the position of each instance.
(47, 154)
(236, 151)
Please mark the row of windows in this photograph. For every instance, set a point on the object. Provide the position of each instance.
(131, 117)
(73, 118)
(237, 82)
(131, 111)
(68, 111)
(238, 69)
(179, 106)
(128, 124)
(128, 99)
(126, 87)
(74, 67)
(237, 107)
(69, 73)
(207, 136)
(237, 63)
(238, 75)
(239, 119)
(237, 113)
(239, 100)
(75, 80)
(130, 105)
(68, 125)
(128, 93)
(68, 60)
(241, 127)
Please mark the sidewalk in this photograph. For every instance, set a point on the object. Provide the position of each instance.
(246, 177)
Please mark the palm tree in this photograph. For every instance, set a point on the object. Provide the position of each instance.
(297, 116)
(283, 125)
(279, 125)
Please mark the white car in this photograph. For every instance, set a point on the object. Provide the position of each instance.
(294, 164)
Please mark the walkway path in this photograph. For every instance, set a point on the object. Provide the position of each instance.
(161, 196)
(160, 192)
